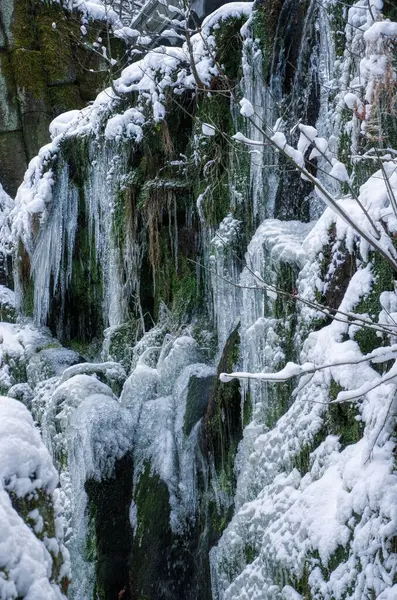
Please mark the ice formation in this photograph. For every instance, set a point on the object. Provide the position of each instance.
(314, 508)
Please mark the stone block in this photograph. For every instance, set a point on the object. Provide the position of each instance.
(9, 110)
(17, 18)
(36, 131)
(13, 161)
(30, 80)
(64, 98)
(55, 46)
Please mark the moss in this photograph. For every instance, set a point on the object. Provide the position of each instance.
(27, 283)
(341, 419)
(383, 280)
(174, 275)
(223, 420)
(8, 313)
(119, 218)
(285, 311)
(121, 342)
(301, 461)
(338, 20)
(17, 368)
(185, 291)
(390, 10)
(12, 165)
(75, 153)
(64, 98)
(250, 554)
(213, 153)
(109, 537)
(85, 289)
(43, 502)
(161, 562)
(222, 432)
(84, 294)
(229, 47)
(301, 584)
(344, 146)
(264, 26)
(247, 409)
(9, 119)
(55, 45)
(30, 79)
(22, 28)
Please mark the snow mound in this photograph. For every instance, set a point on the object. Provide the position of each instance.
(27, 476)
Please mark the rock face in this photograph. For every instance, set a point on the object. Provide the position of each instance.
(194, 253)
(47, 66)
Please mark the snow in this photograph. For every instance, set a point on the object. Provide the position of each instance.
(230, 10)
(339, 171)
(25, 469)
(6, 206)
(294, 518)
(283, 514)
(63, 123)
(307, 136)
(380, 28)
(247, 110)
(208, 130)
(239, 137)
(352, 100)
(156, 395)
(93, 9)
(280, 141)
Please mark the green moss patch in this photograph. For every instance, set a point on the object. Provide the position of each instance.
(22, 25)
(64, 98)
(30, 79)
(55, 45)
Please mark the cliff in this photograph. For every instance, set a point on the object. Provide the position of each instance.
(212, 241)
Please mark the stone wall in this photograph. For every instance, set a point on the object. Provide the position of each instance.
(47, 67)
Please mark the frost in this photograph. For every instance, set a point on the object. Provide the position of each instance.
(158, 398)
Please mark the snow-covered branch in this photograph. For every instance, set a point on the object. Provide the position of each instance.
(291, 369)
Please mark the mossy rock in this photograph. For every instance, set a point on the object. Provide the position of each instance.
(109, 544)
(9, 114)
(55, 45)
(164, 564)
(30, 78)
(8, 313)
(198, 396)
(36, 131)
(264, 27)
(22, 392)
(222, 425)
(18, 22)
(64, 98)
(92, 73)
(50, 361)
(222, 432)
(12, 164)
(42, 502)
(152, 536)
(119, 342)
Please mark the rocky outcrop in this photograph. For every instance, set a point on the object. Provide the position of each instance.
(48, 65)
